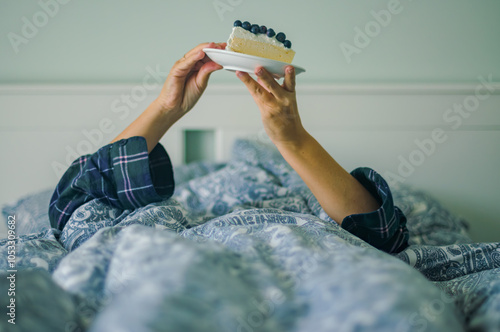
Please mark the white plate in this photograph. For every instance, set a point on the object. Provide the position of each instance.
(234, 61)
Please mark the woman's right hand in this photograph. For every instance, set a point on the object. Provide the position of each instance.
(187, 80)
(184, 85)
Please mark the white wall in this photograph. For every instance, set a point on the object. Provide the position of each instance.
(114, 41)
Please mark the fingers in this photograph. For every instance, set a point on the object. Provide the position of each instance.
(220, 46)
(183, 66)
(205, 71)
(268, 81)
(254, 88)
(199, 47)
(204, 67)
(200, 63)
(289, 82)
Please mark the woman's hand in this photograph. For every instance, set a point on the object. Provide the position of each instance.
(277, 104)
(187, 80)
(183, 87)
(339, 193)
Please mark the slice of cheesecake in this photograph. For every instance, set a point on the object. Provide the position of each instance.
(260, 41)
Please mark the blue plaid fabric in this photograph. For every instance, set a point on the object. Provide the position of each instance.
(384, 228)
(121, 174)
(124, 175)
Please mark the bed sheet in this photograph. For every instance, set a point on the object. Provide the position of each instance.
(245, 246)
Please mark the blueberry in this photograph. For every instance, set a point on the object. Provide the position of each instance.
(255, 29)
(281, 37)
(270, 33)
(246, 25)
(263, 29)
(237, 23)
(287, 44)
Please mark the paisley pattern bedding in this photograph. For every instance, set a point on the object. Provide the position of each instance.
(230, 252)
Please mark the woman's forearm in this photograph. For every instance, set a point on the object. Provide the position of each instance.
(184, 85)
(152, 124)
(337, 191)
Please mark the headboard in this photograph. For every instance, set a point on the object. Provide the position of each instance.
(443, 139)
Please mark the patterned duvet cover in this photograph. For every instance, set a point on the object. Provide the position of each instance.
(244, 246)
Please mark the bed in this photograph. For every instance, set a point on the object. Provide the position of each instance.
(243, 245)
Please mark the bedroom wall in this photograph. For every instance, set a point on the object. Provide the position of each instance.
(114, 41)
(434, 44)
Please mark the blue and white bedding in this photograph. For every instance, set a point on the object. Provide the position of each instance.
(245, 246)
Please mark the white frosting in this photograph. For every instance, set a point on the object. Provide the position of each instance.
(239, 32)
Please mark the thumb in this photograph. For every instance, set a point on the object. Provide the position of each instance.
(182, 67)
(204, 73)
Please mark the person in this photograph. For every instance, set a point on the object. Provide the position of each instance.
(134, 169)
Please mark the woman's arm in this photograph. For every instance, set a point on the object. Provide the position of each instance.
(183, 87)
(134, 170)
(338, 192)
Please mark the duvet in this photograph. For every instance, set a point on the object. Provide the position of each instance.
(244, 246)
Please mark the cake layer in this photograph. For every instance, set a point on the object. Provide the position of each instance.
(244, 41)
(261, 49)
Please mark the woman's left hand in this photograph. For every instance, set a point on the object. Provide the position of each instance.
(277, 104)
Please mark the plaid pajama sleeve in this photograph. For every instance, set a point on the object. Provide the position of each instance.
(384, 228)
(121, 174)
